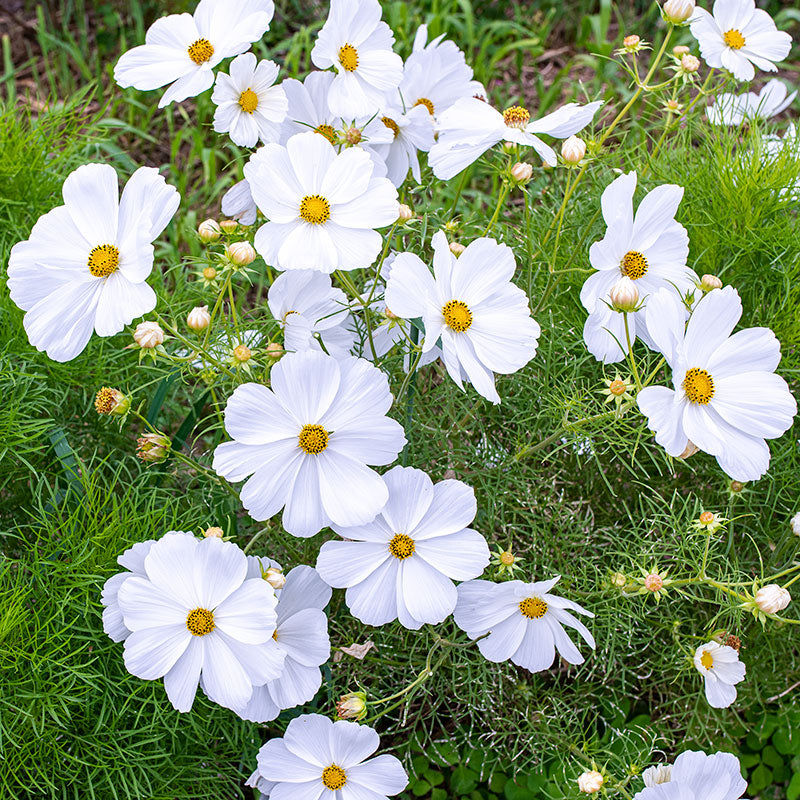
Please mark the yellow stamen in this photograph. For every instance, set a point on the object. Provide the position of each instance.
(516, 117)
(734, 39)
(402, 546)
(327, 131)
(633, 265)
(348, 57)
(707, 660)
(423, 101)
(391, 125)
(333, 777)
(314, 208)
(201, 51)
(103, 260)
(457, 316)
(248, 100)
(698, 385)
(200, 622)
(533, 608)
(313, 439)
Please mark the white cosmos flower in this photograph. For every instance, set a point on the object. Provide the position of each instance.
(775, 145)
(84, 266)
(471, 126)
(733, 109)
(323, 207)
(310, 310)
(318, 757)
(738, 37)
(410, 132)
(402, 565)
(695, 776)
(183, 49)
(726, 399)
(307, 442)
(721, 670)
(249, 106)
(358, 45)
(524, 621)
(302, 634)
(482, 318)
(194, 614)
(237, 203)
(649, 247)
(308, 107)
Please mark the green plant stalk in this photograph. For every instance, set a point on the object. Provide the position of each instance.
(631, 357)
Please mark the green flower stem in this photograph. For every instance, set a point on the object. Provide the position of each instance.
(569, 189)
(229, 283)
(249, 546)
(504, 190)
(631, 357)
(345, 280)
(194, 346)
(214, 311)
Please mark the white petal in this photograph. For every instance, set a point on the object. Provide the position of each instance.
(345, 564)
(452, 509)
(460, 556)
(374, 600)
(536, 651)
(223, 675)
(181, 681)
(150, 653)
(351, 743)
(383, 774)
(248, 614)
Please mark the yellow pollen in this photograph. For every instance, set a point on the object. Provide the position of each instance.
(327, 131)
(201, 51)
(103, 260)
(104, 400)
(734, 39)
(423, 101)
(313, 439)
(533, 608)
(516, 117)
(333, 777)
(200, 622)
(617, 387)
(248, 100)
(348, 57)
(314, 208)
(391, 125)
(401, 546)
(457, 316)
(275, 634)
(633, 265)
(698, 385)
(707, 660)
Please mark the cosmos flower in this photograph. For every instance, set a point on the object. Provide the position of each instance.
(84, 266)
(733, 109)
(183, 49)
(695, 776)
(721, 670)
(237, 203)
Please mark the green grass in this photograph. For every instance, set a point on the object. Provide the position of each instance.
(600, 498)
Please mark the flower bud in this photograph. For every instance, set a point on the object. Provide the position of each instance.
(590, 782)
(624, 295)
(353, 135)
(241, 253)
(680, 50)
(213, 533)
(209, 231)
(690, 63)
(690, 449)
(678, 11)
(404, 213)
(209, 273)
(229, 225)
(521, 172)
(619, 580)
(506, 558)
(242, 353)
(652, 776)
(772, 598)
(148, 335)
(274, 350)
(631, 42)
(274, 577)
(153, 447)
(794, 522)
(672, 105)
(456, 248)
(198, 318)
(653, 582)
(736, 487)
(709, 282)
(389, 314)
(573, 150)
(352, 706)
(111, 401)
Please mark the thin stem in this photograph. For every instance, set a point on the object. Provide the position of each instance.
(631, 357)
(500, 200)
(565, 427)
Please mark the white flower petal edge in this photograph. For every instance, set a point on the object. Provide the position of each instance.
(721, 670)
(695, 775)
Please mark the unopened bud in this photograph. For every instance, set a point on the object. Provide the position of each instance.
(241, 253)
(353, 135)
(709, 282)
(111, 401)
(209, 273)
(456, 248)
(573, 150)
(690, 449)
(521, 172)
(619, 580)
(209, 231)
(794, 522)
(672, 105)
(148, 335)
(213, 533)
(590, 782)
(680, 50)
(274, 577)
(624, 295)
(153, 447)
(242, 353)
(506, 558)
(678, 11)
(736, 487)
(652, 776)
(706, 518)
(772, 598)
(404, 213)
(653, 582)
(631, 42)
(229, 225)
(198, 318)
(275, 350)
(352, 706)
(690, 63)
(389, 314)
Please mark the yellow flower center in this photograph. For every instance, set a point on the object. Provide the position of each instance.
(633, 265)
(103, 260)
(423, 101)
(348, 57)
(401, 546)
(104, 400)
(327, 131)
(507, 558)
(201, 51)
(707, 660)
(734, 39)
(391, 125)
(313, 439)
(516, 117)
(314, 208)
(457, 316)
(333, 777)
(698, 385)
(200, 622)
(533, 608)
(248, 100)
